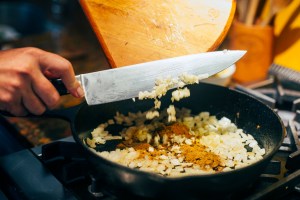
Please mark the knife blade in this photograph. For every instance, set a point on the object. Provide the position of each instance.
(126, 82)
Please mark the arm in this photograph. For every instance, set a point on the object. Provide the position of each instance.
(24, 80)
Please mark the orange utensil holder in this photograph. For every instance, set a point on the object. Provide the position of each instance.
(258, 41)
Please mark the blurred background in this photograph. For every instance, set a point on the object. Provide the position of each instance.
(60, 26)
(270, 31)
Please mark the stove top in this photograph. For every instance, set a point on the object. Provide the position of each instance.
(58, 170)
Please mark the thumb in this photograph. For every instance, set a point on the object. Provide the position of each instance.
(74, 87)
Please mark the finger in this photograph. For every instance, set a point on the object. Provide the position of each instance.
(43, 93)
(32, 102)
(55, 66)
(12, 104)
(17, 109)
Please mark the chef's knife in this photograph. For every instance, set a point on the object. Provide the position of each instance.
(126, 82)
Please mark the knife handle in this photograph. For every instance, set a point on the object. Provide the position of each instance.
(59, 86)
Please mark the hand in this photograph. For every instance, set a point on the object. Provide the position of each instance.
(24, 80)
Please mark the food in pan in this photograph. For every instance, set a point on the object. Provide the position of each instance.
(193, 144)
(163, 85)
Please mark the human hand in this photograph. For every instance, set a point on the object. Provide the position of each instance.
(24, 80)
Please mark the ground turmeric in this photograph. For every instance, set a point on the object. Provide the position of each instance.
(175, 129)
(198, 154)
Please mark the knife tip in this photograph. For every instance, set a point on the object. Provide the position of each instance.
(238, 53)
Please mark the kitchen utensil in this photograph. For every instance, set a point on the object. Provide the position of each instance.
(274, 7)
(126, 82)
(135, 31)
(257, 40)
(251, 12)
(251, 115)
(242, 10)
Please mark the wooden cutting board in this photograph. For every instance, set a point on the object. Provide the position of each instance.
(136, 31)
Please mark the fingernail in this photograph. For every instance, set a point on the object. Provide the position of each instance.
(80, 92)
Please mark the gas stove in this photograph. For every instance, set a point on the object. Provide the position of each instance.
(59, 170)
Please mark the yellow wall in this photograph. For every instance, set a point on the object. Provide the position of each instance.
(287, 36)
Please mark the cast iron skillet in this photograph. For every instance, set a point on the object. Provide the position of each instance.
(246, 112)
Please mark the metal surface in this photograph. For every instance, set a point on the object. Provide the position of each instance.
(126, 82)
(39, 183)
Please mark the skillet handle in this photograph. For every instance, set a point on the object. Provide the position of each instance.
(66, 113)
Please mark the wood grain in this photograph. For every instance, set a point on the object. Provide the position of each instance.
(136, 31)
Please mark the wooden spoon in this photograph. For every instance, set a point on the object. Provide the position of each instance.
(251, 12)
